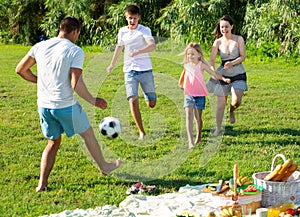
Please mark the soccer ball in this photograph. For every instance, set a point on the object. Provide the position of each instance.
(110, 127)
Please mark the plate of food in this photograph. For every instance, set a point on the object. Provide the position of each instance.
(250, 189)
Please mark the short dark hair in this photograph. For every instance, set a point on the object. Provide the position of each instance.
(133, 9)
(69, 24)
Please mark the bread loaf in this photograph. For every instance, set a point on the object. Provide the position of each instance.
(285, 166)
(282, 172)
(289, 172)
(274, 173)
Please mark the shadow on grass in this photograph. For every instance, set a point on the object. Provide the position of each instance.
(172, 184)
(283, 131)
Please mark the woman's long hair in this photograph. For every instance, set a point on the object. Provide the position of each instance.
(217, 31)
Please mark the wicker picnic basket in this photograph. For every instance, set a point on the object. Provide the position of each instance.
(278, 192)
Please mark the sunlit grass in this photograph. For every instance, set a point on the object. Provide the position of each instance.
(267, 124)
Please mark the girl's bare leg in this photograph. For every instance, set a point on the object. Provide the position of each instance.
(199, 124)
(189, 110)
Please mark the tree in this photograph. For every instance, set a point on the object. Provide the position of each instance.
(274, 27)
(270, 26)
(20, 20)
(187, 20)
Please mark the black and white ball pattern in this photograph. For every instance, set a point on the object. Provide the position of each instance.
(110, 127)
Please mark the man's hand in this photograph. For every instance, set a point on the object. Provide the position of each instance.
(134, 53)
(101, 103)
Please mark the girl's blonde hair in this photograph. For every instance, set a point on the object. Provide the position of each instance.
(197, 47)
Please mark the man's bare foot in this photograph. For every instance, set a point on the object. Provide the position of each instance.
(41, 189)
(232, 117)
(109, 167)
(142, 136)
(41, 186)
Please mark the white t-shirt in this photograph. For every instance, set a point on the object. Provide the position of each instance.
(54, 59)
(135, 40)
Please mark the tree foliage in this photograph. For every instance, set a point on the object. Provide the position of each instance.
(19, 20)
(187, 20)
(85, 10)
(276, 22)
(271, 26)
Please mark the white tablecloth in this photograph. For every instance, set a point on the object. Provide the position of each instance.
(188, 198)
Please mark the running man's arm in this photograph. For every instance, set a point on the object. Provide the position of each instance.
(151, 46)
(23, 69)
(82, 91)
(117, 53)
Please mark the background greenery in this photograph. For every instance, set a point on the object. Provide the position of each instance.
(270, 27)
(267, 124)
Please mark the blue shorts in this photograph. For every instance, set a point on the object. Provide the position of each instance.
(71, 120)
(145, 78)
(197, 101)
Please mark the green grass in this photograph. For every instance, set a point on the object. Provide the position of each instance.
(267, 124)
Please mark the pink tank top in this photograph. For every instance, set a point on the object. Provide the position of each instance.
(194, 83)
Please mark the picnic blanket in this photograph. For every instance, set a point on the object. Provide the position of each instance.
(188, 198)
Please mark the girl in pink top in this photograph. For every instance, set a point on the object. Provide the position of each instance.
(193, 83)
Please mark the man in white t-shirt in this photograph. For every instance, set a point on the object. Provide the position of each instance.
(59, 67)
(138, 42)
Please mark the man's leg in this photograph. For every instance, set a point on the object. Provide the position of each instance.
(94, 150)
(136, 114)
(47, 162)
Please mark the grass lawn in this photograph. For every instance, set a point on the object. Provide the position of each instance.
(268, 123)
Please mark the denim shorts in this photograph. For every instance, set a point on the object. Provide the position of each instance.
(145, 79)
(197, 101)
(71, 120)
